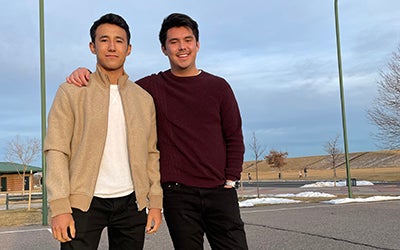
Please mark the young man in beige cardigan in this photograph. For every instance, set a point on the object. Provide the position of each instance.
(103, 164)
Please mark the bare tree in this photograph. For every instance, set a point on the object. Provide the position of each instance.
(276, 159)
(331, 147)
(23, 152)
(385, 110)
(257, 151)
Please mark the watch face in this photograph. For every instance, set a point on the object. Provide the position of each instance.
(235, 184)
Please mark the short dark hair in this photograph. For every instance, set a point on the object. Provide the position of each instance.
(110, 19)
(177, 20)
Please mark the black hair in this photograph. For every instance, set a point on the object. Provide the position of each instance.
(110, 19)
(177, 20)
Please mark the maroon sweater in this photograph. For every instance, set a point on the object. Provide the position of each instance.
(199, 128)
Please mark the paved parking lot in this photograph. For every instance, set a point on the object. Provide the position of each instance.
(372, 225)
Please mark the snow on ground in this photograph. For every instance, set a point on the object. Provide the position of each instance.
(305, 194)
(373, 198)
(277, 198)
(257, 201)
(338, 184)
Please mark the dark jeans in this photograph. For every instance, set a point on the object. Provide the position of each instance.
(190, 212)
(125, 224)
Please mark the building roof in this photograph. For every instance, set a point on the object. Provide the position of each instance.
(9, 168)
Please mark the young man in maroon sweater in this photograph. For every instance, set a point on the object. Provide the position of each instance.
(200, 141)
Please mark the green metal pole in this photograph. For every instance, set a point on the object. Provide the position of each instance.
(346, 151)
(43, 109)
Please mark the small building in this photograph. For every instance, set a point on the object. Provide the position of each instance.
(11, 175)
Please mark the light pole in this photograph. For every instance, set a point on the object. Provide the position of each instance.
(43, 108)
(346, 152)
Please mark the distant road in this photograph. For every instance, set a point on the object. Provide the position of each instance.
(296, 183)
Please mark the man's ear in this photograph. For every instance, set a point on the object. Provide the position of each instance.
(164, 50)
(92, 47)
(129, 50)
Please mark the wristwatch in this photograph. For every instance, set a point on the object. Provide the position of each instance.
(234, 184)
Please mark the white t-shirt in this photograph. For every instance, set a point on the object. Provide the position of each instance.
(115, 177)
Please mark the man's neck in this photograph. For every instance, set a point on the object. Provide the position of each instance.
(185, 73)
(113, 75)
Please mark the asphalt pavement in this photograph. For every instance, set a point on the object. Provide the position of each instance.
(371, 225)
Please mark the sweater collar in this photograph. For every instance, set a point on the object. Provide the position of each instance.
(169, 72)
(105, 82)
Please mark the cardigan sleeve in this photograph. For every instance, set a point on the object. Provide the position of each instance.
(156, 193)
(57, 152)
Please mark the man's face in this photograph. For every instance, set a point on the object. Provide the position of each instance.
(181, 48)
(110, 47)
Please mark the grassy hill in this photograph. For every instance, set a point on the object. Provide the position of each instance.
(362, 165)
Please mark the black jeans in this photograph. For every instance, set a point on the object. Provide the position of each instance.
(190, 212)
(125, 224)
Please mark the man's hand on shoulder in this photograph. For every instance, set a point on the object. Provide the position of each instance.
(79, 77)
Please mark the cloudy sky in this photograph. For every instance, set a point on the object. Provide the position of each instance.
(278, 55)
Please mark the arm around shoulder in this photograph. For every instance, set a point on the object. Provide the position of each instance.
(79, 77)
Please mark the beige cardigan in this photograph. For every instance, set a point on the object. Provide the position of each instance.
(76, 135)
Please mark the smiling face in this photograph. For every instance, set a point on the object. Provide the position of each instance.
(111, 48)
(181, 47)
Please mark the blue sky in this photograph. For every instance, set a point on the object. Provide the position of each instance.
(278, 55)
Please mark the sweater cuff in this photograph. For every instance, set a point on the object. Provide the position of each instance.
(60, 206)
(232, 177)
(155, 201)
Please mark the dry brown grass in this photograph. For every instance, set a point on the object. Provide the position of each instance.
(370, 174)
(20, 217)
(372, 166)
